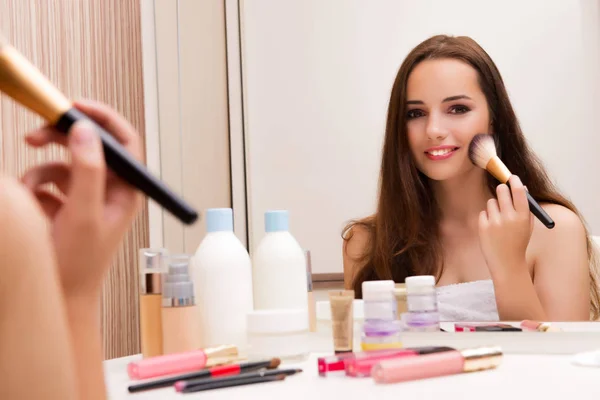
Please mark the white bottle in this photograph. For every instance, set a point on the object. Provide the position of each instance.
(222, 277)
(279, 267)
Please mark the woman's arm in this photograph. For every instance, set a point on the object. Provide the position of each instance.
(560, 290)
(562, 269)
(37, 360)
(88, 223)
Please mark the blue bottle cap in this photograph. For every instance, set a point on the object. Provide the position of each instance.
(277, 221)
(219, 220)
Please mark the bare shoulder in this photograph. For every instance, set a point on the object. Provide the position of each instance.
(356, 239)
(569, 230)
(18, 210)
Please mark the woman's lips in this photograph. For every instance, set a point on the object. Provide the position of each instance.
(441, 153)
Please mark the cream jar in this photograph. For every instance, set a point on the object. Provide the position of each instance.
(281, 333)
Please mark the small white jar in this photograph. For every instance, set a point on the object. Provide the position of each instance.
(281, 333)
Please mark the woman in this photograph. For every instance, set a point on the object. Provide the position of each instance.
(56, 249)
(440, 215)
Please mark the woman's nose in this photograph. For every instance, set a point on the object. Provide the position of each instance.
(435, 129)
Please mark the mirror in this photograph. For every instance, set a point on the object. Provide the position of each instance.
(317, 78)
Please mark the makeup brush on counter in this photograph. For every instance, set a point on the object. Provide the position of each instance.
(197, 385)
(224, 370)
(20, 80)
(482, 152)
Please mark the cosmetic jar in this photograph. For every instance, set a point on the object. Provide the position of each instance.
(381, 329)
(421, 299)
(420, 322)
(379, 301)
(281, 333)
(381, 336)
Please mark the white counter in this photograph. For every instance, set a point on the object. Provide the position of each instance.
(519, 377)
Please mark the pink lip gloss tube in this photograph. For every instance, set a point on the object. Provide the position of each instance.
(439, 364)
(178, 363)
(362, 366)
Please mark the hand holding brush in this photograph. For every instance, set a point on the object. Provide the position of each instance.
(482, 152)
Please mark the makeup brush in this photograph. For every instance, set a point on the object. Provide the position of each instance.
(20, 80)
(223, 370)
(239, 382)
(482, 152)
(191, 385)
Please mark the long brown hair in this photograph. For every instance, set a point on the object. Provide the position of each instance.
(403, 233)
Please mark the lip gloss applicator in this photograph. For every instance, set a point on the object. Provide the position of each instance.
(23, 82)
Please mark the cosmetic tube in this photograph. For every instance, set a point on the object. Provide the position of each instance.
(438, 364)
(337, 362)
(179, 363)
(400, 296)
(151, 268)
(342, 320)
(362, 366)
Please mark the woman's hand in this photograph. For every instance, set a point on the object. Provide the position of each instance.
(505, 229)
(93, 208)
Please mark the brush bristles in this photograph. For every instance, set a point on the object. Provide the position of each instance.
(274, 363)
(482, 149)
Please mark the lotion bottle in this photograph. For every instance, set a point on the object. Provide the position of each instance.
(222, 278)
(279, 267)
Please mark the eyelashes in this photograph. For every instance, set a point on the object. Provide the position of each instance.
(416, 113)
(456, 109)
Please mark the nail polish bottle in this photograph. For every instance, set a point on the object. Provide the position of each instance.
(151, 268)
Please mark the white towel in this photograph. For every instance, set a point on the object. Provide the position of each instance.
(469, 301)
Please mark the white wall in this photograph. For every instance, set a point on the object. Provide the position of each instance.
(317, 76)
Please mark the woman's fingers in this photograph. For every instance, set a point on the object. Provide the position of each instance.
(493, 212)
(58, 173)
(44, 136)
(50, 202)
(504, 199)
(104, 116)
(519, 194)
(114, 123)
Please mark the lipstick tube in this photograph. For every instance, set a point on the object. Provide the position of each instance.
(362, 366)
(181, 362)
(439, 364)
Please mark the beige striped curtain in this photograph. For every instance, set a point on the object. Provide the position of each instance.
(89, 49)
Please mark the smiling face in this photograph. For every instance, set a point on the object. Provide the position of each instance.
(445, 109)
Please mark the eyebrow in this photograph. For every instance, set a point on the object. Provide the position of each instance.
(447, 99)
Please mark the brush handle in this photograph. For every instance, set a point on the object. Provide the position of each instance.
(131, 170)
(539, 212)
(223, 384)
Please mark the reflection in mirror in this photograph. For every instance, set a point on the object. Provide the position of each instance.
(359, 120)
